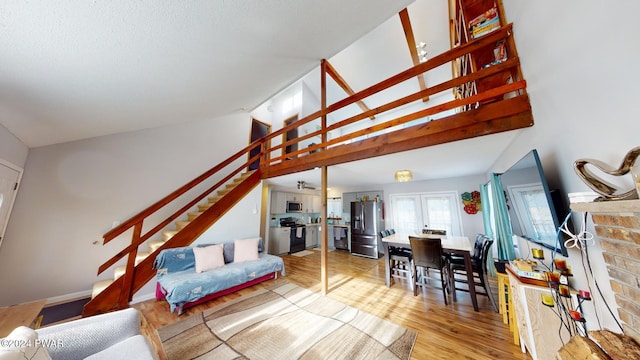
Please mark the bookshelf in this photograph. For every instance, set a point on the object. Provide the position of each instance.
(471, 20)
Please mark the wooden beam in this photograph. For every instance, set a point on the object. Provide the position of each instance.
(331, 71)
(324, 238)
(411, 42)
(324, 247)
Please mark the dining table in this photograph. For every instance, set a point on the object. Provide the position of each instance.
(458, 245)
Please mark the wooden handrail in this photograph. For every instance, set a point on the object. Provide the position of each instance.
(124, 226)
(137, 240)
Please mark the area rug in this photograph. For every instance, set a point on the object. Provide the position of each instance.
(65, 311)
(285, 321)
(302, 253)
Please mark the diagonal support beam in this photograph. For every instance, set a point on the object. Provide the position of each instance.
(331, 71)
(411, 42)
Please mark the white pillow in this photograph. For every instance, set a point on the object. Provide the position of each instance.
(208, 257)
(245, 250)
(22, 344)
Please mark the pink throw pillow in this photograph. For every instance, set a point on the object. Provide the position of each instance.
(208, 257)
(245, 250)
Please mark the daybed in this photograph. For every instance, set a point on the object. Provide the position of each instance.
(188, 276)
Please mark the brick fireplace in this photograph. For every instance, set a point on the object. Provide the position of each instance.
(617, 225)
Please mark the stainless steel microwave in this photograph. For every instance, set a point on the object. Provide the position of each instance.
(294, 206)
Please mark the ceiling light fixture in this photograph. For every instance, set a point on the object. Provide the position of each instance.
(422, 51)
(403, 175)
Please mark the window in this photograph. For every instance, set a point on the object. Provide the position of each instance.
(291, 103)
(411, 212)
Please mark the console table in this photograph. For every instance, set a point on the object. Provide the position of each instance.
(538, 325)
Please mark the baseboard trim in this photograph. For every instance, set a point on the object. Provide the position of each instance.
(143, 297)
(87, 293)
(68, 297)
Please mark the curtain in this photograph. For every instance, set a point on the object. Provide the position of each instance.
(485, 199)
(503, 234)
(486, 209)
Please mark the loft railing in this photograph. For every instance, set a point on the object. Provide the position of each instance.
(348, 130)
(499, 108)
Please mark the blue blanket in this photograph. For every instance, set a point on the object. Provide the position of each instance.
(176, 274)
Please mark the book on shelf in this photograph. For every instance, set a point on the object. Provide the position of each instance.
(485, 29)
(484, 23)
(499, 54)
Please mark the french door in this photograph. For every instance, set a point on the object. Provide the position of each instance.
(413, 212)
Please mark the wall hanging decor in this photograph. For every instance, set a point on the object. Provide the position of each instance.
(472, 202)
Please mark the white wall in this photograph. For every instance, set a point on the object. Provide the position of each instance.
(12, 149)
(579, 59)
(471, 224)
(72, 193)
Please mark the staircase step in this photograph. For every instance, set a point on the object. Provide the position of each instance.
(99, 287)
(141, 256)
(155, 244)
(168, 234)
(222, 192)
(180, 224)
(203, 207)
(119, 271)
(214, 199)
(192, 215)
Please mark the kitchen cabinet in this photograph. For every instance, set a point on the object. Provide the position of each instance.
(349, 197)
(279, 240)
(278, 202)
(311, 239)
(539, 326)
(330, 242)
(310, 203)
(316, 204)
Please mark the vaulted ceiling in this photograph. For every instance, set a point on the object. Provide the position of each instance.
(74, 69)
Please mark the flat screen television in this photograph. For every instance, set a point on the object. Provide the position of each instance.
(535, 212)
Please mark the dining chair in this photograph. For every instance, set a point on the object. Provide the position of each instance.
(400, 260)
(479, 267)
(477, 250)
(427, 254)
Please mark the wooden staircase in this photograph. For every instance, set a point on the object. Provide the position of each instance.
(109, 295)
(502, 107)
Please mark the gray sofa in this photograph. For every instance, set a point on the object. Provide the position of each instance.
(114, 335)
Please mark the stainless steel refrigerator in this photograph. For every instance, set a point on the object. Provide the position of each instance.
(366, 224)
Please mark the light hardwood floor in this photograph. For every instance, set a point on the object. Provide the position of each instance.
(454, 331)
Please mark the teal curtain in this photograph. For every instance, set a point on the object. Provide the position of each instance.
(486, 219)
(504, 234)
(486, 209)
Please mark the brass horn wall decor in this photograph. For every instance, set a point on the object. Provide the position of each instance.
(606, 190)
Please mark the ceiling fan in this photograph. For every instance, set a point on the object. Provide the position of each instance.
(303, 185)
